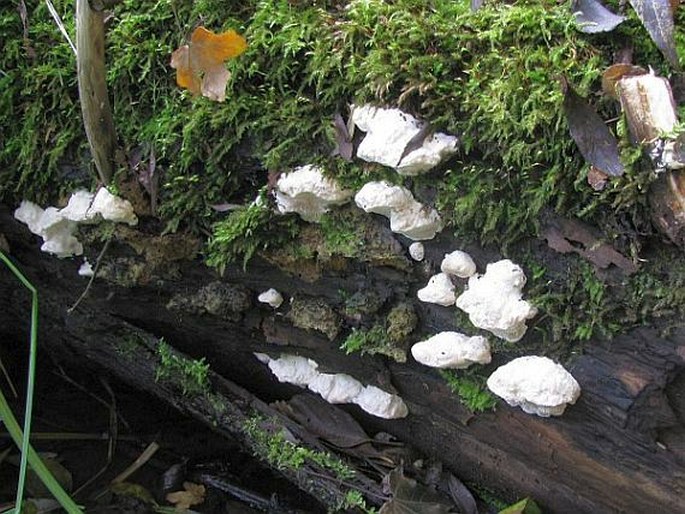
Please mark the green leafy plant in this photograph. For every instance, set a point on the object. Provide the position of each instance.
(192, 376)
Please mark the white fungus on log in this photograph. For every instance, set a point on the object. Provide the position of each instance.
(452, 350)
(458, 263)
(493, 301)
(271, 297)
(439, 290)
(335, 387)
(389, 131)
(536, 384)
(416, 251)
(56, 231)
(407, 216)
(113, 208)
(308, 193)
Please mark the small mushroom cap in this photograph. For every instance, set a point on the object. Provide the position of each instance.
(271, 297)
(383, 198)
(537, 384)
(458, 263)
(439, 290)
(452, 350)
(294, 369)
(417, 222)
(336, 388)
(379, 403)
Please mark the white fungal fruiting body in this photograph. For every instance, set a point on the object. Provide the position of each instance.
(57, 232)
(439, 290)
(113, 208)
(458, 263)
(336, 388)
(294, 369)
(493, 301)
(308, 193)
(86, 270)
(416, 251)
(452, 350)
(536, 384)
(271, 297)
(407, 216)
(388, 131)
(379, 403)
(79, 208)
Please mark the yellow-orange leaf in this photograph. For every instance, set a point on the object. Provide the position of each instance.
(200, 64)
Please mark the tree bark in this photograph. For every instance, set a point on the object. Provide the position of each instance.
(621, 448)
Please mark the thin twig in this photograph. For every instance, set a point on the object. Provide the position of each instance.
(138, 463)
(60, 24)
(92, 278)
(8, 379)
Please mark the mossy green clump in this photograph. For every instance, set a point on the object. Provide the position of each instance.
(191, 376)
(314, 314)
(470, 387)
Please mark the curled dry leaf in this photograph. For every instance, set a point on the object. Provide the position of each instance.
(410, 497)
(657, 18)
(592, 17)
(597, 179)
(193, 494)
(595, 141)
(200, 64)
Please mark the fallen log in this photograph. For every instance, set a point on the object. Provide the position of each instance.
(621, 448)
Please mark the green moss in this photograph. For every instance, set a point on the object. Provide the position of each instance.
(373, 341)
(191, 376)
(470, 387)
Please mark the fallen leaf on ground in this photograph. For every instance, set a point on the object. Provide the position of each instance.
(592, 17)
(343, 138)
(657, 18)
(597, 179)
(525, 506)
(410, 497)
(200, 64)
(595, 141)
(561, 234)
(194, 494)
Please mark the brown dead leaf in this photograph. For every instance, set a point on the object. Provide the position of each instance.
(200, 64)
(616, 72)
(194, 494)
(410, 497)
(597, 178)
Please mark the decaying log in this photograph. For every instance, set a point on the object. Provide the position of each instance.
(621, 448)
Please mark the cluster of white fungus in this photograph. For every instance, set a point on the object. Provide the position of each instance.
(308, 193)
(452, 350)
(271, 297)
(493, 301)
(335, 387)
(388, 131)
(407, 216)
(439, 289)
(58, 226)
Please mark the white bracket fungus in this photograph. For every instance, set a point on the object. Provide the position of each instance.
(379, 403)
(458, 263)
(536, 384)
(308, 193)
(452, 350)
(113, 208)
(439, 289)
(407, 216)
(271, 297)
(493, 301)
(416, 251)
(389, 131)
(335, 387)
(57, 232)
(79, 207)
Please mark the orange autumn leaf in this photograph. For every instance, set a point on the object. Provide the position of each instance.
(200, 64)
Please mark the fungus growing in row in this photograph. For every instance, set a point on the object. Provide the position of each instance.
(439, 289)
(271, 297)
(458, 263)
(407, 216)
(452, 350)
(308, 193)
(536, 384)
(493, 301)
(335, 387)
(390, 133)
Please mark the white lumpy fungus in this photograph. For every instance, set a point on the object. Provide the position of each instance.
(307, 192)
(56, 231)
(417, 251)
(389, 131)
(452, 350)
(439, 289)
(459, 264)
(494, 301)
(271, 297)
(379, 403)
(336, 387)
(407, 216)
(294, 369)
(536, 384)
